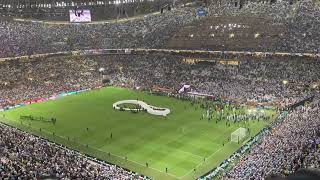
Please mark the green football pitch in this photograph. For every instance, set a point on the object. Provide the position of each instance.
(183, 144)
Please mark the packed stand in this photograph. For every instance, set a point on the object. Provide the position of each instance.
(27, 79)
(275, 80)
(42, 78)
(278, 11)
(27, 38)
(24, 156)
(250, 80)
(301, 34)
(303, 29)
(292, 145)
(301, 19)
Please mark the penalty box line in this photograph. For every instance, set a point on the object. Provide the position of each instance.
(148, 167)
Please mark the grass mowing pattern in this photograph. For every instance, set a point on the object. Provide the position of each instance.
(180, 142)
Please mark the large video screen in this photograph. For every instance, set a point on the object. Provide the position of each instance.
(80, 15)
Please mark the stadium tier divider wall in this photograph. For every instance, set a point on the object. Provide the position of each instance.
(202, 53)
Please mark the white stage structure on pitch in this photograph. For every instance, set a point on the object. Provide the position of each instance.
(159, 111)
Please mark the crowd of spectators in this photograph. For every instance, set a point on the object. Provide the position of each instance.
(26, 38)
(292, 145)
(24, 156)
(39, 78)
(303, 29)
(249, 80)
(301, 21)
(278, 11)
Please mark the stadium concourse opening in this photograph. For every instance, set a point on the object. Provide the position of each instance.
(141, 106)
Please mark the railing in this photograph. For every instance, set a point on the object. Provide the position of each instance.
(169, 51)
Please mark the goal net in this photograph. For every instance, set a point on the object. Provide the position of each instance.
(238, 134)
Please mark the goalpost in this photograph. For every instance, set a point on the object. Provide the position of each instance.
(238, 134)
